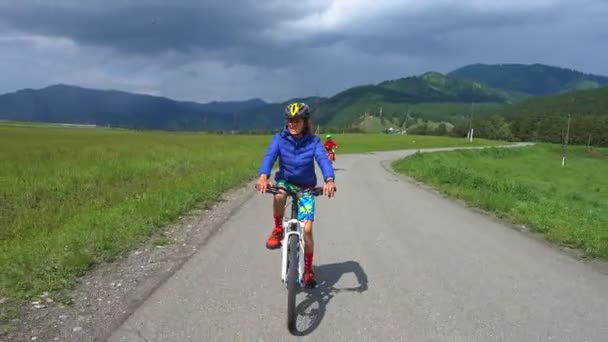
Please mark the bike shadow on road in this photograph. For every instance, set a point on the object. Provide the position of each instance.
(311, 310)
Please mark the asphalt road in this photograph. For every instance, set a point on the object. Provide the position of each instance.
(395, 262)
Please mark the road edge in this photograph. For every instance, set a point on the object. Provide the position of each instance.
(597, 264)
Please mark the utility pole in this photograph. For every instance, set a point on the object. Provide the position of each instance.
(470, 133)
(317, 110)
(568, 130)
(407, 116)
(565, 143)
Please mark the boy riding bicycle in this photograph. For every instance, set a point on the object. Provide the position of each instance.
(297, 149)
(330, 145)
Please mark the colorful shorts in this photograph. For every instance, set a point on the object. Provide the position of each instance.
(306, 205)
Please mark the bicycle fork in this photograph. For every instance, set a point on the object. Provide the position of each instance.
(287, 232)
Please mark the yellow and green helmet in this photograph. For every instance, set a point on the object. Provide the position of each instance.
(297, 109)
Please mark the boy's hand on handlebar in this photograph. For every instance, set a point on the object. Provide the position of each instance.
(329, 188)
(262, 184)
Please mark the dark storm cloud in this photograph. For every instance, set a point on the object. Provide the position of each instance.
(230, 48)
(239, 31)
(149, 27)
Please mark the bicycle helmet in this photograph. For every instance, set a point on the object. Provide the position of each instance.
(297, 109)
(328, 136)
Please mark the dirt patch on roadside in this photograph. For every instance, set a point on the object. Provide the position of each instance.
(107, 295)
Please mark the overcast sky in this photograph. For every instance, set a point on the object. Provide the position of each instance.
(239, 49)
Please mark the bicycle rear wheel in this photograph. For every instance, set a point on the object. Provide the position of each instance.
(292, 281)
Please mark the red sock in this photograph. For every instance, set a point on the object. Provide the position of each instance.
(307, 262)
(278, 221)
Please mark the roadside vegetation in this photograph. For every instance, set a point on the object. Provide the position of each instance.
(71, 197)
(568, 205)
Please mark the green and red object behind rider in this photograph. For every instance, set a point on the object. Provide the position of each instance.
(330, 145)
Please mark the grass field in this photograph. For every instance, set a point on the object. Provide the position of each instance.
(354, 143)
(71, 197)
(528, 186)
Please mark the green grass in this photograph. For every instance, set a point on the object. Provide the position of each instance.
(72, 197)
(355, 143)
(567, 205)
(42, 124)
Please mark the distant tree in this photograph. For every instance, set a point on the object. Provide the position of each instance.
(460, 129)
(420, 129)
(401, 120)
(493, 127)
(442, 129)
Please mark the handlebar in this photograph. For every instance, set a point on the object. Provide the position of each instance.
(276, 190)
(317, 191)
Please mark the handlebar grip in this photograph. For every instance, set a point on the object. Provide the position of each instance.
(272, 190)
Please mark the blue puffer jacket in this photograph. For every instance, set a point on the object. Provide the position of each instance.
(296, 159)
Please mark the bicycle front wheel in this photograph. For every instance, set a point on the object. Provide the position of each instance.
(292, 281)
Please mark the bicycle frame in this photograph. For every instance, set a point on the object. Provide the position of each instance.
(293, 226)
(331, 154)
(288, 228)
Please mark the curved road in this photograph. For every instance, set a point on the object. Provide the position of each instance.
(396, 262)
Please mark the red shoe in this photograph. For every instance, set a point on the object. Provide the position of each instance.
(310, 281)
(274, 241)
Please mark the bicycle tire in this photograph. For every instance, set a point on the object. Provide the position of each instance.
(292, 281)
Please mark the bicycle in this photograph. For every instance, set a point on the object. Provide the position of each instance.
(331, 154)
(292, 251)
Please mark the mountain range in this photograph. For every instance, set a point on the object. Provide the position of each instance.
(71, 104)
(430, 94)
(534, 79)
